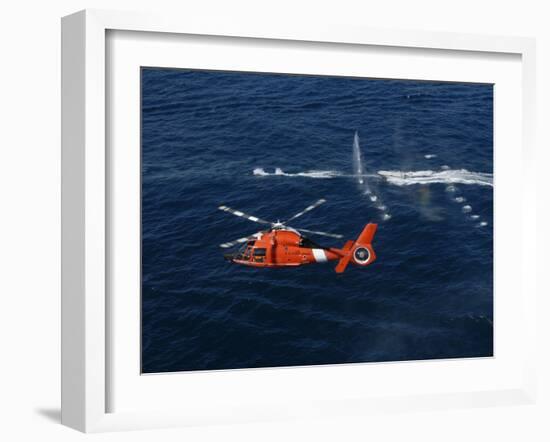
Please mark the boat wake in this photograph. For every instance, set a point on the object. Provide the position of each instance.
(396, 177)
(318, 174)
(446, 176)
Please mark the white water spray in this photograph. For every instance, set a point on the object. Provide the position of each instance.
(357, 160)
(463, 176)
(361, 176)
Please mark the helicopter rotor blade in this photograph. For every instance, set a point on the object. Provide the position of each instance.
(307, 209)
(227, 245)
(244, 215)
(314, 232)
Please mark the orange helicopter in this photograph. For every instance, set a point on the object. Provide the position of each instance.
(284, 246)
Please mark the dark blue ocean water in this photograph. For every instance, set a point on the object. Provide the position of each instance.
(211, 138)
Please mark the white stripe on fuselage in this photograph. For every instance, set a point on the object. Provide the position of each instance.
(319, 255)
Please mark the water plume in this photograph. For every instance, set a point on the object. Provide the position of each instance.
(357, 160)
(361, 177)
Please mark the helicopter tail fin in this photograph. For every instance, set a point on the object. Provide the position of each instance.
(347, 246)
(359, 252)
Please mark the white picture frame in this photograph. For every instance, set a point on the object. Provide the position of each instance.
(86, 204)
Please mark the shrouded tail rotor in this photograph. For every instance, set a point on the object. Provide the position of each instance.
(360, 252)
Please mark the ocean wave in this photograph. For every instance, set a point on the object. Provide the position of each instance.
(457, 176)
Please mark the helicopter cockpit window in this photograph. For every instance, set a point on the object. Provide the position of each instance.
(259, 252)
